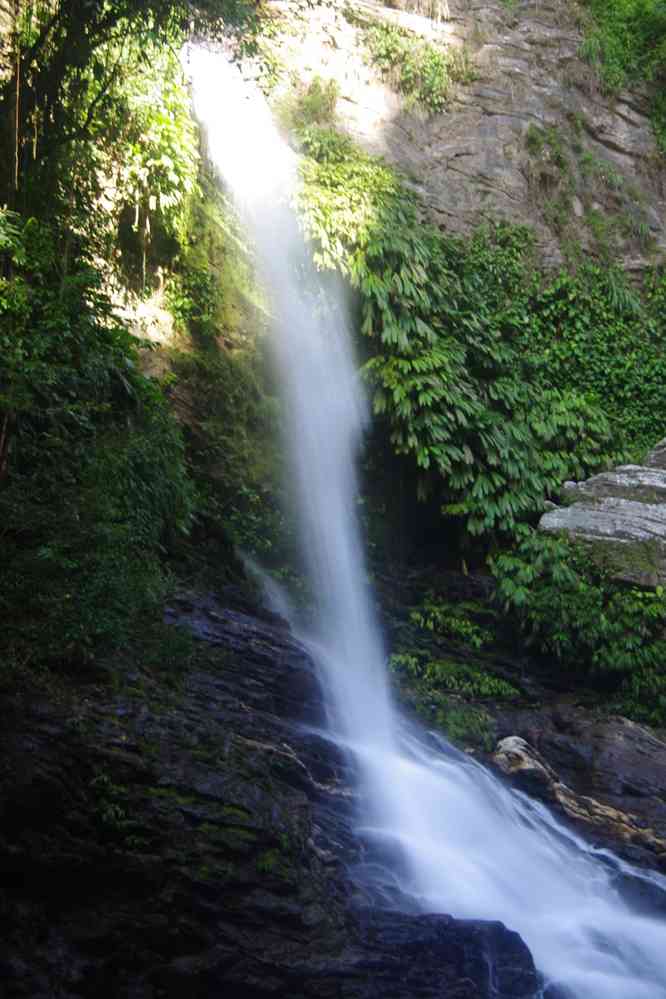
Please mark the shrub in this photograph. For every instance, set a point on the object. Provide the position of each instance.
(450, 620)
(590, 332)
(437, 689)
(626, 41)
(419, 70)
(94, 481)
(447, 321)
(568, 608)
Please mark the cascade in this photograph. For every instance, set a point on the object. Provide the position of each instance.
(467, 845)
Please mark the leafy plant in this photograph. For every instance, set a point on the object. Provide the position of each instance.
(626, 42)
(93, 480)
(314, 105)
(437, 689)
(567, 607)
(592, 333)
(445, 320)
(547, 142)
(450, 620)
(419, 70)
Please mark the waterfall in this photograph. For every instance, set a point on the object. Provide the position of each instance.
(467, 845)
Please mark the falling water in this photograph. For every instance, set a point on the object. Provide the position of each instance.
(469, 846)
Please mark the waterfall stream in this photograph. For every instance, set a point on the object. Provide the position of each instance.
(467, 845)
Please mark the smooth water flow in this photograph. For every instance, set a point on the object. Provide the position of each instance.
(467, 845)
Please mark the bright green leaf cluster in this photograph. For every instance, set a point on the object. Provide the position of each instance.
(568, 608)
(420, 70)
(447, 321)
(449, 620)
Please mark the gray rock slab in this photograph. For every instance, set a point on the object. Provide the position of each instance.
(631, 482)
(626, 536)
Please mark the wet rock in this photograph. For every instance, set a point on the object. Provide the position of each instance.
(529, 771)
(199, 841)
(605, 776)
(657, 456)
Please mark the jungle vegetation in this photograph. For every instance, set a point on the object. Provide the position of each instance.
(492, 380)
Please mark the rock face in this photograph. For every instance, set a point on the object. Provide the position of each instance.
(607, 777)
(621, 515)
(531, 139)
(193, 840)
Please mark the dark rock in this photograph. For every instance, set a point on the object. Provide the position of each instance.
(199, 842)
(606, 775)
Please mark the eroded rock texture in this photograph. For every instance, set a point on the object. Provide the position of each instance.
(531, 139)
(7, 13)
(607, 776)
(194, 842)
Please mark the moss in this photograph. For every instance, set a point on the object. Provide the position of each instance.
(272, 862)
(236, 839)
(235, 812)
(642, 561)
(171, 794)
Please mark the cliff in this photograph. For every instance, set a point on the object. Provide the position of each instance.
(530, 137)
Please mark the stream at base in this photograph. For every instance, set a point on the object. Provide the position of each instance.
(461, 842)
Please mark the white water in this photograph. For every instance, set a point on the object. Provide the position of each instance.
(468, 846)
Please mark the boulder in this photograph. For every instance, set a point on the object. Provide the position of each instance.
(621, 516)
(606, 777)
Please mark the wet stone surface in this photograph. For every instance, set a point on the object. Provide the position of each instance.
(196, 840)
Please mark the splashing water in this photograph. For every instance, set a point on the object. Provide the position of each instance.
(468, 845)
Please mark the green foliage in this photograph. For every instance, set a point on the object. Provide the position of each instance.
(547, 142)
(71, 72)
(102, 162)
(456, 677)
(326, 145)
(153, 158)
(419, 70)
(626, 42)
(467, 726)
(218, 378)
(315, 105)
(192, 301)
(437, 690)
(593, 334)
(602, 169)
(450, 620)
(230, 420)
(568, 608)
(446, 321)
(93, 477)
